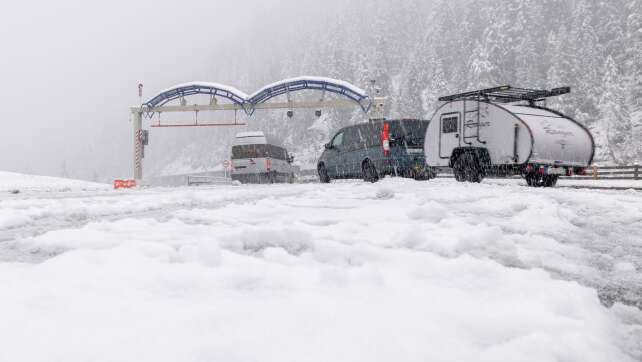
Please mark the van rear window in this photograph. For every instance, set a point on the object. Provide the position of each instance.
(414, 132)
(258, 151)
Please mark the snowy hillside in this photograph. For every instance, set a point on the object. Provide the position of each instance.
(418, 50)
(350, 271)
(17, 182)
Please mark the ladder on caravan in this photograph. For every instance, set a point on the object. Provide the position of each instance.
(471, 124)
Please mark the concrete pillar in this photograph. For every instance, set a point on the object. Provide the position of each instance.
(138, 145)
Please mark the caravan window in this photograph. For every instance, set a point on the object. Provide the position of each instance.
(449, 124)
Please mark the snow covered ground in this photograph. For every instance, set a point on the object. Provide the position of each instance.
(394, 271)
(17, 182)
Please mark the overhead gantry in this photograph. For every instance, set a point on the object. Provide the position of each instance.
(236, 100)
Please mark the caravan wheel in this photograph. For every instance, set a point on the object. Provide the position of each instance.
(536, 180)
(467, 168)
(550, 180)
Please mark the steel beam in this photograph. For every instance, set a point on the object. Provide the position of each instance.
(235, 107)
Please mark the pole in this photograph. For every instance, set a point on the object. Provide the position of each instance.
(138, 145)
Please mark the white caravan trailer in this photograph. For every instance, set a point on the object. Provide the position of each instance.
(256, 160)
(503, 131)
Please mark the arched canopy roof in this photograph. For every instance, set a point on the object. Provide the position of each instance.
(264, 94)
(188, 89)
(308, 82)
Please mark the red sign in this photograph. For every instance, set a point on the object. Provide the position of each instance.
(124, 184)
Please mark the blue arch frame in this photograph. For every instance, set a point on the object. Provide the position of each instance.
(315, 83)
(189, 89)
(266, 93)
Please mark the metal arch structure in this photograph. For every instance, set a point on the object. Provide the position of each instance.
(356, 97)
(323, 84)
(188, 89)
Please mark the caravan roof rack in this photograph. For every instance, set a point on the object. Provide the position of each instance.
(507, 94)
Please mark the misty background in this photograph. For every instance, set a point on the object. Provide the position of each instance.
(70, 70)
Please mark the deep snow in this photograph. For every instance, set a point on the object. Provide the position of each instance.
(399, 270)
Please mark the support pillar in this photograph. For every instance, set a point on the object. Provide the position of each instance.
(138, 145)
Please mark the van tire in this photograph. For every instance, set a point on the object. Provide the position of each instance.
(467, 168)
(323, 174)
(369, 171)
(423, 175)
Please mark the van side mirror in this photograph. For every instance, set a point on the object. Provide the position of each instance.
(328, 146)
(291, 159)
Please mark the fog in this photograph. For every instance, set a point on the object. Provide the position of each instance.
(70, 70)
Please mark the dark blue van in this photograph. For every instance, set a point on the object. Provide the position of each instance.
(358, 151)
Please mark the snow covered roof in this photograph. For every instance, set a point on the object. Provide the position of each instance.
(315, 79)
(264, 94)
(250, 134)
(211, 85)
(186, 89)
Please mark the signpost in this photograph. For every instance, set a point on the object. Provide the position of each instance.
(226, 166)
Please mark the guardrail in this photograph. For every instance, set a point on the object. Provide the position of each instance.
(615, 173)
(208, 180)
(633, 172)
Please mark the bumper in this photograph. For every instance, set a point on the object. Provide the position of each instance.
(416, 169)
(262, 178)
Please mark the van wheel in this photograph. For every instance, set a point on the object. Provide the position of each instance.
(323, 174)
(369, 171)
(467, 168)
(423, 175)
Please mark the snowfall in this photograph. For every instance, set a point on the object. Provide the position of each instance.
(399, 270)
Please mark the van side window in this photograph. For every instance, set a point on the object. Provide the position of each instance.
(449, 124)
(351, 139)
(337, 140)
(277, 152)
(373, 134)
(362, 135)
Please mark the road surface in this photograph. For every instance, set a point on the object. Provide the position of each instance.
(398, 270)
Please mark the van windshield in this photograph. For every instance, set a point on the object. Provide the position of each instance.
(258, 151)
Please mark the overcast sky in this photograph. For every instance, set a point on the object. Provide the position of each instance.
(69, 69)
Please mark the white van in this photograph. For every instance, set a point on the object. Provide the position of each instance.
(257, 160)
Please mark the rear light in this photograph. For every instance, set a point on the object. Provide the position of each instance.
(582, 171)
(529, 168)
(385, 139)
(569, 171)
(542, 170)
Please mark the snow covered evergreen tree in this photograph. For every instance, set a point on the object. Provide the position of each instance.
(613, 131)
(418, 51)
